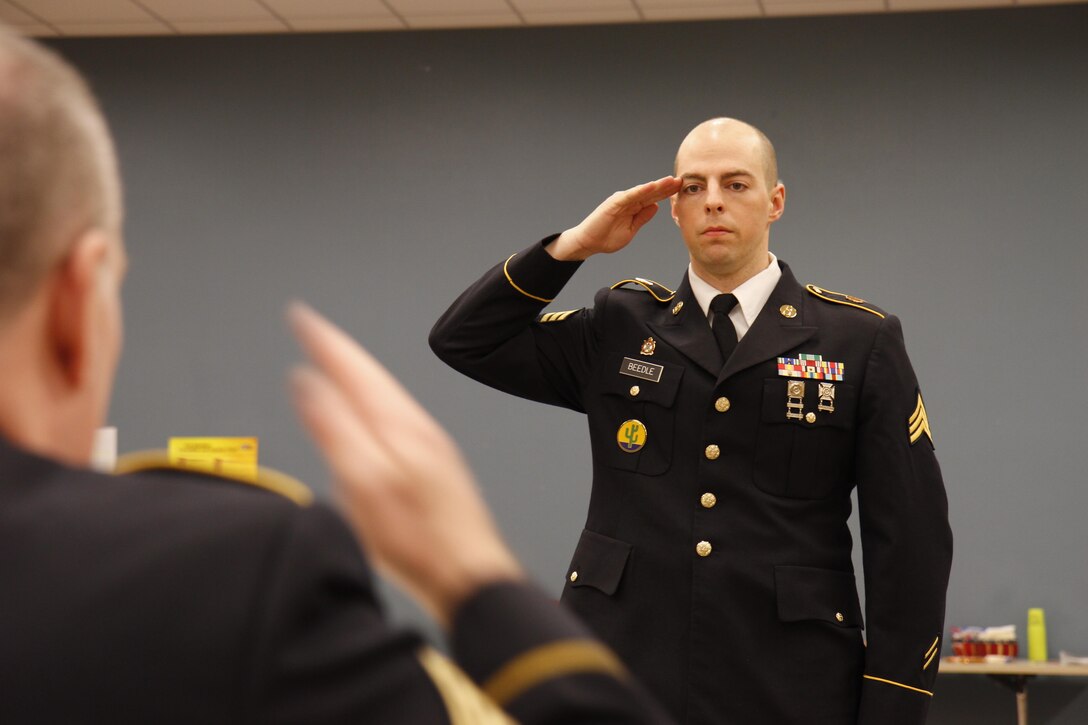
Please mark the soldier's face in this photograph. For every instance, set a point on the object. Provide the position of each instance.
(725, 206)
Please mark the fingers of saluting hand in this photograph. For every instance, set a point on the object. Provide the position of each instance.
(382, 405)
(369, 427)
(345, 438)
(419, 515)
(649, 193)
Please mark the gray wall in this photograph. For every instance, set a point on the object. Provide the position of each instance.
(934, 164)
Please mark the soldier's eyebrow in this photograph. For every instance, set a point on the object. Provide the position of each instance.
(732, 173)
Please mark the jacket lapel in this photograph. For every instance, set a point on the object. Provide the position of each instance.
(688, 331)
(772, 333)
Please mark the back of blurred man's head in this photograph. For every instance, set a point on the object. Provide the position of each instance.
(61, 257)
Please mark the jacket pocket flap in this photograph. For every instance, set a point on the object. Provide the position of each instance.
(598, 562)
(826, 595)
(655, 383)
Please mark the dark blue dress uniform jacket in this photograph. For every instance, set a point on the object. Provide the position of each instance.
(168, 597)
(739, 606)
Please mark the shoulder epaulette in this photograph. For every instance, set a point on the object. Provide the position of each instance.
(660, 292)
(267, 478)
(841, 298)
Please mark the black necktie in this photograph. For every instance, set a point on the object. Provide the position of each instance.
(724, 332)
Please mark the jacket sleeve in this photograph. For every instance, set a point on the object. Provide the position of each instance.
(322, 651)
(906, 539)
(492, 333)
(551, 672)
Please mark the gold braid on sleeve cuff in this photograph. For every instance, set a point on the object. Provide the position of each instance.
(465, 703)
(548, 662)
(506, 271)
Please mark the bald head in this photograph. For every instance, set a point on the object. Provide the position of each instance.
(730, 130)
(58, 172)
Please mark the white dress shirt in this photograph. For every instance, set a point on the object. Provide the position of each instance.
(751, 295)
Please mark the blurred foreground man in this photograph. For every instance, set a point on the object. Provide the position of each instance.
(169, 597)
(729, 422)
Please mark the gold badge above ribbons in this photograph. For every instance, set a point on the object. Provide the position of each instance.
(631, 436)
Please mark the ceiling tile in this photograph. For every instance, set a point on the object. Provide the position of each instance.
(334, 25)
(944, 4)
(443, 7)
(152, 27)
(685, 5)
(330, 8)
(475, 20)
(575, 17)
(740, 9)
(79, 11)
(220, 26)
(14, 16)
(535, 6)
(127, 17)
(821, 7)
(34, 30)
(205, 10)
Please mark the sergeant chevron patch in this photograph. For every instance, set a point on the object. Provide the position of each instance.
(918, 423)
(556, 316)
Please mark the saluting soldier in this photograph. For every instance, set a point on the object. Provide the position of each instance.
(729, 422)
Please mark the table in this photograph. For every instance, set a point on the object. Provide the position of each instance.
(1014, 675)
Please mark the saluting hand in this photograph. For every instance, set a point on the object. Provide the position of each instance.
(402, 482)
(612, 225)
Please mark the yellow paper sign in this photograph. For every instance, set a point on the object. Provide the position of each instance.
(231, 457)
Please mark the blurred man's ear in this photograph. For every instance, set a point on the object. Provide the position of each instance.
(75, 288)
